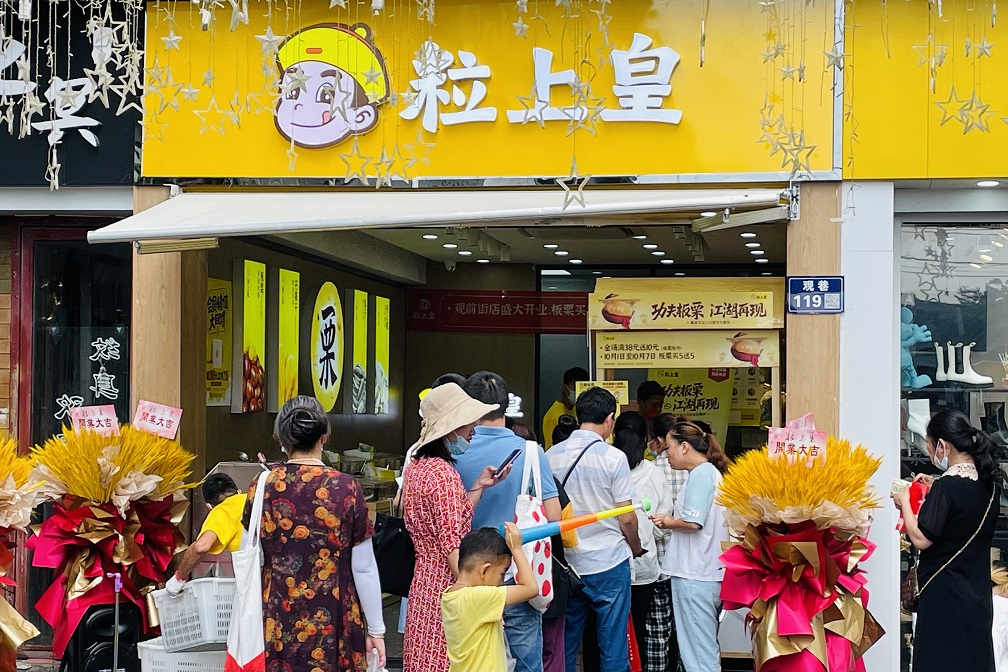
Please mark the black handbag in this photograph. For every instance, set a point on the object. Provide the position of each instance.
(394, 554)
(566, 582)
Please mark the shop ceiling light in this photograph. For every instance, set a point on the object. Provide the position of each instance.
(640, 237)
(667, 261)
(561, 253)
(449, 246)
(158, 246)
(766, 273)
(574, 261)
(551, 246)
(650, 246)
(998, 243)
(975, 265)
(748, 234)
(465, 253)
(731, 220)
(596, 272)
(709, 213)
(680, 273)
(554, 271)
(757, 253)
(430, 236)
(986, 257)
(658, 253)
(762, 260)
(752, 244)
(988, 183)
(482, 261)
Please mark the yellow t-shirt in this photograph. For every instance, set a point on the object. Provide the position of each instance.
(474, 628)
(551, 420)
(224, 520)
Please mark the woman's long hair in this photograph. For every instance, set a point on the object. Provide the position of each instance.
(630, 436)
(668, 425)
(955, 428)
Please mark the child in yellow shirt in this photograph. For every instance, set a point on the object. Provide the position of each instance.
(473, 608)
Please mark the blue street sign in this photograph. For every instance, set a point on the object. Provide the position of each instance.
(815, 294)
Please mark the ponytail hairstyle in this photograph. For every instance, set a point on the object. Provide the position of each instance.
(955, 428)
(300, 424)
(630, 436)
(702, 442)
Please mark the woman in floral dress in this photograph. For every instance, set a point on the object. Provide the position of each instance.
(438, 512)
(320, 580)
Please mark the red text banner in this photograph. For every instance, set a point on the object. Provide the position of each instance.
(497, 312)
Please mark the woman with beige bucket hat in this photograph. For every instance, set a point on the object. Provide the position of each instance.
(437, 510)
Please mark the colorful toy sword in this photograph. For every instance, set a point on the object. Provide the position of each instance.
(538, 532)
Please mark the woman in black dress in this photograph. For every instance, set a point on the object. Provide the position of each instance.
(953, 532)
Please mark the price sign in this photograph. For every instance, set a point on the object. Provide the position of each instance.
(101, 419)
(815, 294)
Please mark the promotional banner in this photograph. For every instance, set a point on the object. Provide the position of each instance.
(288, 328)
(747, 392)
(382, 371)
(797, 445)
(218, 346)
(619, 388)
(360, 350)
(699, 394)
(327, 345)
(506, 312)
(253, 398)
(682, 310)
(695, 349)
(159, 419)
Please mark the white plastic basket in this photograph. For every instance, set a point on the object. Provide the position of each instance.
(153, 658)
(199, 618)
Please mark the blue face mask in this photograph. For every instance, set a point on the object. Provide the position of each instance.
(458, 446)
(572, 397)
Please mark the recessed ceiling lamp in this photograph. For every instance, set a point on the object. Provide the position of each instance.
(668, 261)
(449, 246)
(482, 261)
(658, 253)
(767, 273)
(596, 272)
(975, 265)
(640, 237)
(752, 244)
(748, 234)
(465, 253)
(762, 260)
(988, 183)
(430, 236)
(551, 246)
(986, 257)
(650, 246)
(757, 253)
(680, 273)
(709, 213)
(574, 261)
(561, 253)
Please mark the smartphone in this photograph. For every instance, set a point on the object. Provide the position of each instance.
(507, 462)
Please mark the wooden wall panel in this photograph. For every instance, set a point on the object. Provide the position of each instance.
(813, 341)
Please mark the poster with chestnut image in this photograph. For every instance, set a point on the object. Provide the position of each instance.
(251, 277)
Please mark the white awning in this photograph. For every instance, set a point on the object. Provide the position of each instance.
(215, 215)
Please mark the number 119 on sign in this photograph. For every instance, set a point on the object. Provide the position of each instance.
(799, 301)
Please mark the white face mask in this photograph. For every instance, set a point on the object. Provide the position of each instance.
(943, 462)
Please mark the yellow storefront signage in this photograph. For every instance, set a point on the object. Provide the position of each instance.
(694, 349)
(360, 351)
(253, 397)
(288, 331)
(218, 346)
(698, 394)
(382, 351)
(338, 92)
(327, 345)
(674, 310)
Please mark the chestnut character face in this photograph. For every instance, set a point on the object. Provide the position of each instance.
(330, 108)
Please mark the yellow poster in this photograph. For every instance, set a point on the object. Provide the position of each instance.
(698, 394)
(682, 310)
(218, 346)
(382, 350)
(331, 91)
(747, 391)
(288, 328)
(360, 343)
(327, 345)
(254, 337)
(695, 349)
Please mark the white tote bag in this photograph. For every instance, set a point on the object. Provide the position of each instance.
(529, 511)
(246, 642)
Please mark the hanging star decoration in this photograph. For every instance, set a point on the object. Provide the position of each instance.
(574, 179)
(419, 151)
(333, 4)
(269, 42)
(835, 58)
(172, 40)
(398, 172)
(212, 117)
(292, 156)
(788, 72)
(189, 92)
(383, 167)
(976, 115)
(534, 107)
(356, 164)
(173, 88)
(952, 108)
(235, 107)
(797, 154)
(984, 48)
(209, 77)
(520, 28)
